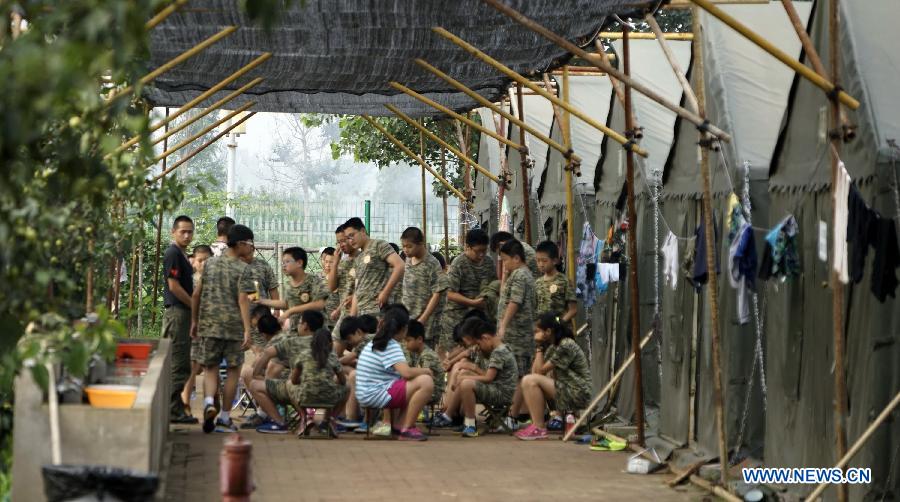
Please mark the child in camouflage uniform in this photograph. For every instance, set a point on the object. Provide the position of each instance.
(342, 279)
(515, 310)
(465, 277)
(302, 291)
(501, 238)
(570, 387)
(318, 379)
(263, 278)
(271, 391)
(221, 318)
(333, 302)
(553, 290)
(422, 356)
(423, 281)
(379, 270)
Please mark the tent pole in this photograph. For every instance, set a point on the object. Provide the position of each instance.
(465, 158)
(199, 149)
(478, 54)
(609, 385)
(201, 133)
(163, 14)
(523, 162)
(633, 254)
(676, 68)
(762, 43)
(837, 287)
(467, 170)
(604, 65)
(570, 171)
(172, 63)
(617, 87)
(615, 35)
(156, 257)
(457, 116)
(498, 110)
(812, 54)
(842, 463)
(711, 254)
(424, 210)
(413, 156)
(446, 219)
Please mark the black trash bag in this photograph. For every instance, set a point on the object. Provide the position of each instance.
(68, 482)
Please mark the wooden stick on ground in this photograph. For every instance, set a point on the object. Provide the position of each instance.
(605, 66)
(612, 381)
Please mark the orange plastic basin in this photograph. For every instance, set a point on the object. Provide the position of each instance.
(133, 350)
(111, 396)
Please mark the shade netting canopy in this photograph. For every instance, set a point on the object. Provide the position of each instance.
(338, 56)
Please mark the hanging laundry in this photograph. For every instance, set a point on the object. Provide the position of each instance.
(887, 258)
(607, 273)
(615, 243)
(734, 216)
(841, 195)
(584, 284)
(700, 273)
(780, 258)
(669, 252)
(599, 287)
(860, 221)
(742, 269)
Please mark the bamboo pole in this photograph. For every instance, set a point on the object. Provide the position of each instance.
(837, 287)
(616, 35)
(523, 163)
(89, 281)
(172, 63)
(187, 141)
(413, 156)
(200, 98)
(605, 66)
(199, 149)
(446, 218)
(565, 128)
(870, 430)
(777, 53)
(443, 143)
(159, 224)
(462, 118)
(164, 13)
(633, 255)
(498, 110)
(131, 287)
(609, 385)
(617, 87)
(711, 254)
(676, 68)
(570, 186)
(463, 140)
(813, 55)
(535, 88)
(424, 210)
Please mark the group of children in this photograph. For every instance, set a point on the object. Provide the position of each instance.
(395, 333)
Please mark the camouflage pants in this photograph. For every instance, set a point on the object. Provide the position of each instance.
(176, 325)
(489, 394)
(211, 351)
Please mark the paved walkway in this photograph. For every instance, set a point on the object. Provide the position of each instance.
(447, 467)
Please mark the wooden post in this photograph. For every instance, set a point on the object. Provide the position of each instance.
(711, 254)
(134, 257)
(523, 162)
(837, 287)
(89, 281)
(159, 224)
(446, 219)
(424, 210)
(617, 86)
(633, 254)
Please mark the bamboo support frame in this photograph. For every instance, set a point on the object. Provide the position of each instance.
(496, 109)
(569, 183)
(199, 134)
(842, 463)
(89, 281)
(689, 95)
(134, 257)
(616, 35)
(617, 87)
(172, 63)
(164, 13)
(465, 158)
(415, 157)
(156, 257)
(523, 164)
(424, 210)
(605, 66)
(446, 218)
(472, 50)
(457, 116)
(199, 149)
(560, 116)
(762, 43)
(609, 385)
(711, 254)
(812, 54)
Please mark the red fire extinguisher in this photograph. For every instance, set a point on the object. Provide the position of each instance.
(235, 480)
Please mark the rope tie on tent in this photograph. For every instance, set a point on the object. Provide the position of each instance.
(704, 127)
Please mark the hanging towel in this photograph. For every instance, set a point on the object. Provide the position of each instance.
(742, 269)
(669, 252)
(700, 272)
(841, 194)
(781, 259)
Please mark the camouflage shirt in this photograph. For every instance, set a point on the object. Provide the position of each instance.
(309, 290)
(291, 347)
(553, 294)
(571, 374)
(518, 288)
(372, 273)
(333, 300)
(218, 248)
(420, 281)
(361, 345)
(466, 278)
(224, 278)
(530, 260)
(428, 358)
(507, 377)
(346, 279)
(263, 278)
(318, 385)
